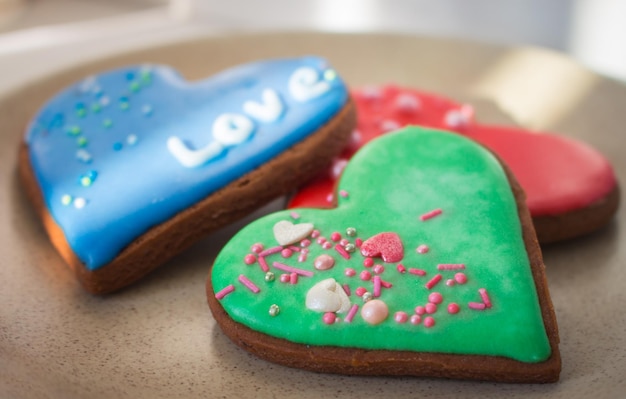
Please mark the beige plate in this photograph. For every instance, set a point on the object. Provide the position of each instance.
(157, 339)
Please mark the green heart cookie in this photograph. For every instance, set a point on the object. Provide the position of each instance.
(464, 285)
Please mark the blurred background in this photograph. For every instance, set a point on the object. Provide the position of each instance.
(40, 36)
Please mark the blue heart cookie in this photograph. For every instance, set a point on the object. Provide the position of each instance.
(122, 152)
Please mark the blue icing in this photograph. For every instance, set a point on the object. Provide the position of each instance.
(100, 154)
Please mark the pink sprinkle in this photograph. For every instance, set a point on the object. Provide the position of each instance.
(431, 214)
(335, 236)
(295, 215)
(433, 281)
(429, 322)
(401, 268)
(293, 278)
(360, 291)
(327, 245)
(329, 317)
(225, 291)
(329, 198)
(449, 282)
(401, 317)
(342, 251)
(358, 242)
(350, 272)
(460, 278)
(450, 266)
(344, 242)
(385, 284)
(285, 278)
(315, 233)
(416, 319)
(378, 269)
(305, 251)
(249, 259)
(420, 310)
(249, 284)
(286, 253)
(305, 243)
(485, 297)
(376, 286)
(422, 249)
(435, 298)
(271, 251)
(257, 248)
(430, 308)
(302, 257)
(417, 272)
(321, 240)
(453, 308)
(365, 275)
(477, 305)
(290, 269)
(346, 289)
(343, 193)
(293, 248)
(351, 313)
(368, 262)
(263, 264)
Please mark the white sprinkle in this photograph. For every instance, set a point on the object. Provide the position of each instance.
(80, 203)
(83, 156)
(146, 109)
(131, 139)
(389, 125)
(104, 101)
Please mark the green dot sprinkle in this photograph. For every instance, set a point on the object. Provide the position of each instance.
(145, 77)
(85, 181)
(74, 130)
(107, 123)
(96, 108)
(330, 74)
(66, 199)
(82, 141)
(134, 87)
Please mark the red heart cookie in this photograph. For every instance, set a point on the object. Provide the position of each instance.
(571, 188)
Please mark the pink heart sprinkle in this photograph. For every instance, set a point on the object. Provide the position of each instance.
(386, 245)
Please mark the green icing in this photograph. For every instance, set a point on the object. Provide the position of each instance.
(390, 183)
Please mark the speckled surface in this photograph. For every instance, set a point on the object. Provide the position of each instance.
(157, 338)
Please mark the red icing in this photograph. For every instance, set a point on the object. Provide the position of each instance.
(558, 174)
(386, 245)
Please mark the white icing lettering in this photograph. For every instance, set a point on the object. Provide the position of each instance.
(267, 111)
(228, 130)
(232, 129)
(192, 158)
(306, 84)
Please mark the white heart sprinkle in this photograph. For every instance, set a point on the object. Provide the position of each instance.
(327, 296)
(287, 233)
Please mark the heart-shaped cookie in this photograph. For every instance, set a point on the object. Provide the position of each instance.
(140, 151)
(467, 300)
(570, 187)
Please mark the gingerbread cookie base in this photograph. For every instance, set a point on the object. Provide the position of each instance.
(272, 179)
